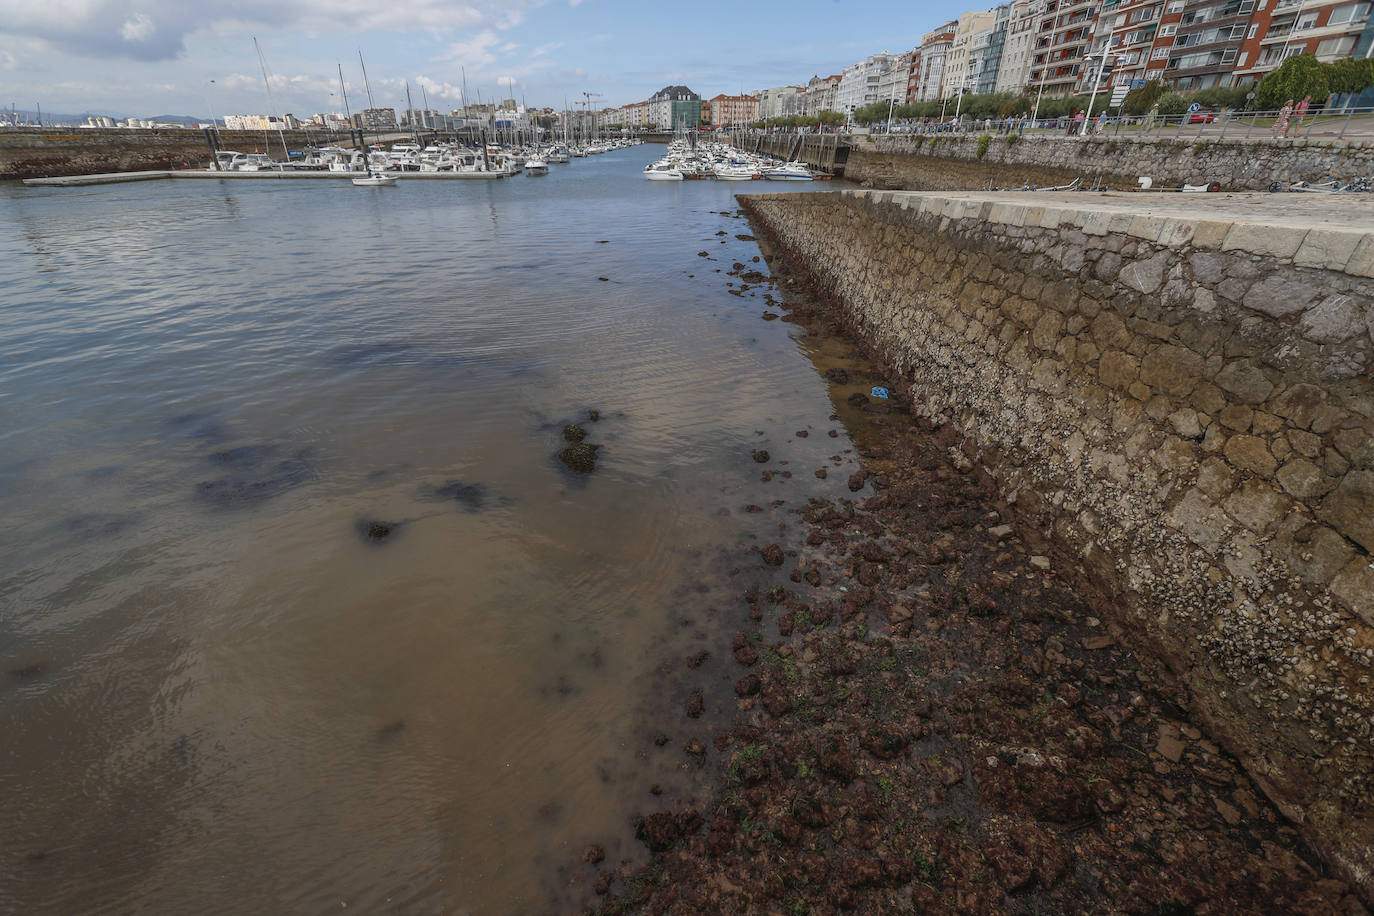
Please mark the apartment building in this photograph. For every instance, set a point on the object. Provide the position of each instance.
(1063, 35)
(913, 77)
(859, 84)
(820, 94)
(733, 110)
(892, 83)
(935, 46)
(956, 76)
(781, 101)
(1283, 28)
(991, 62)
(1127, 30)
(1013, 71)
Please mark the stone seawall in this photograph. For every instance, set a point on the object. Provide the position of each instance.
(1184, 400)
(42, 154)
(953, 162)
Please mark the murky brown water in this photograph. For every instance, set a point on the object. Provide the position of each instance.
(218, 695)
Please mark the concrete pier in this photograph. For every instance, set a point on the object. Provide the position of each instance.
(71, 181)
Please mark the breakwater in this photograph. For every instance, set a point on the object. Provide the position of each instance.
(968, 161)
(944, 162)
(41, 154)
(1184, 399)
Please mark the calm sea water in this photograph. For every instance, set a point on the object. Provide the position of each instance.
(216, 694)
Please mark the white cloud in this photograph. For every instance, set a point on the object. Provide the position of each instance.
(574, 2)
(157, 29)
(474, 52)
(137, 27)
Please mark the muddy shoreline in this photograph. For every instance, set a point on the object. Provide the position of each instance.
(926, 712)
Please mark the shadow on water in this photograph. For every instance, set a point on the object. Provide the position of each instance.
(254, 474)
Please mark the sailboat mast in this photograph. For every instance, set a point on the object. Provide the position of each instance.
(366, 84)
(410, 106)
(267, 84)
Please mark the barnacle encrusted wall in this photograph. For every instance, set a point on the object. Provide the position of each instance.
(1188, 402)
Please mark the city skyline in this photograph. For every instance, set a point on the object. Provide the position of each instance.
(160, 57)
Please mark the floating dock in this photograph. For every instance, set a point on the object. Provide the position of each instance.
(76, 181)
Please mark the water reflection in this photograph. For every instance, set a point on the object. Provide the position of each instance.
(297, 606)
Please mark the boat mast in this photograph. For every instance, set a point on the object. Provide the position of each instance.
(410, 106)
(349, 115)
(281, 134)
(367, 85)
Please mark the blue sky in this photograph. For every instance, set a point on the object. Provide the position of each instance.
(149, 57)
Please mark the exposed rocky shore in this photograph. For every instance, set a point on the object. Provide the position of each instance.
(932, 716)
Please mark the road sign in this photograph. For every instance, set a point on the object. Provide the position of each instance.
(1119, 94)
(1194, 107)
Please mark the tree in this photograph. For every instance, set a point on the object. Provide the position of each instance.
(1350, 76)
(1299, 76)
(831, 118)
(1139, 101)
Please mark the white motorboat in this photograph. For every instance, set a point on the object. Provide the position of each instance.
(375, 180)
(662, 171)
(536, 166)
(792, 171)
(734, 172)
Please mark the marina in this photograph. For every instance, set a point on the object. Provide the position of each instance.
(305, 611)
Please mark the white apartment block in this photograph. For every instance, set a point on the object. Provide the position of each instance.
(1014, 72)
(956, 75)
(935, 47)
(859, 82)
(781, 101)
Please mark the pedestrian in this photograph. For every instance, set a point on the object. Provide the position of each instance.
(1281, 122)
(1101, 123)
(1076, 125)
(1299, 113)
(1150, 117)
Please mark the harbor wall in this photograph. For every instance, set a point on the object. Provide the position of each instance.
(953, 162)
(42, 154)
(1186, 403)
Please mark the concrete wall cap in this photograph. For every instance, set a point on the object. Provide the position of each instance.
(1258, 238)
(1327, 248)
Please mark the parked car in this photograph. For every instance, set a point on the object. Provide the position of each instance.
(1202, 116)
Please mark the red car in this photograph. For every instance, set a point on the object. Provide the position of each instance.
(1202, 116)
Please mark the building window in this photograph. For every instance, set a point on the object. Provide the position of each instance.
(1228, 56)
(1336, 47)
(1159, 54)
(1253, 30)
(1175, 7)
(1306, 22)
(1352, 13)
(1166, 30)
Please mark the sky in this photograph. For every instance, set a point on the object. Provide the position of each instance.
(196, 57)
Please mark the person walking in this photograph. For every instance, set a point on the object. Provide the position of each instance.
(1150, 117)
(1281, 122)
(1076, 125)
(1298, 114)
(1101, 123)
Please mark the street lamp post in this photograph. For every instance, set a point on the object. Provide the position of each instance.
(890, 103)
(1097, 78)
(1044, 72)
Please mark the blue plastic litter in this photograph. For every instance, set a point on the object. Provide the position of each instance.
(880, 392)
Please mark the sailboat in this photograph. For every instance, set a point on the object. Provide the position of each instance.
(374, 178)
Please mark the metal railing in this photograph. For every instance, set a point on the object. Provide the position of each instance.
(1330, 125)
